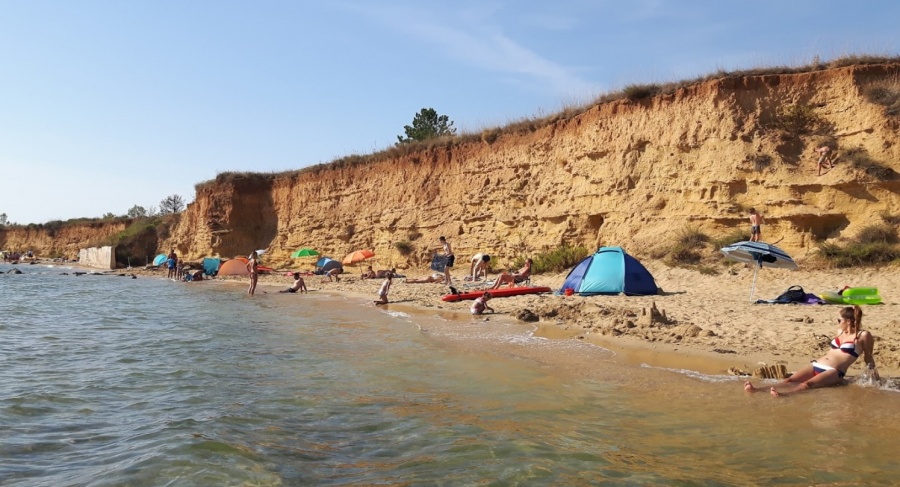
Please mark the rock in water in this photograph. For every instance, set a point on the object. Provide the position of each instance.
(526, 315)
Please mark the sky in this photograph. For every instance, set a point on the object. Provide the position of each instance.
(105, 105)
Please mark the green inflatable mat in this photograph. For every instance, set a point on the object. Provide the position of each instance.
(853, 295)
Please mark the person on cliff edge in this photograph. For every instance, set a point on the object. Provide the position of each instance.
(756, 221)
(448, 253)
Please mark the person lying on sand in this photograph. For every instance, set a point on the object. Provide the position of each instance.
(439, 278)
(829, 370)
(299, 285)
(384, 273)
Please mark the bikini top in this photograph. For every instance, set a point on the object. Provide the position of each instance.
(846, 347)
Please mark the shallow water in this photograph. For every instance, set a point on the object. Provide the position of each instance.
(112, 381)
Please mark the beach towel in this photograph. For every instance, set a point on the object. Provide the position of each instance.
(793, 295)
(439, 262)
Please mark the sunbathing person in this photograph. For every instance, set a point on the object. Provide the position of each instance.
(436, 277)
(386, 273)
(369, 273)
(299, 285)
(851, 342)
(514, 278)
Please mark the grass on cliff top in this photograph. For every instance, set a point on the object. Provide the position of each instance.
(526, 125)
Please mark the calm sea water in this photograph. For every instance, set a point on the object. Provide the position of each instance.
(112, 381)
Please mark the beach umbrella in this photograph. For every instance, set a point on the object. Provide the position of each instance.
(305, 253)
(159, 259)
(358, 256)
(761, 254)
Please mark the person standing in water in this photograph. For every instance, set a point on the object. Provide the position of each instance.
(253, 267)
(385, 288)
(851, 342)
(756, 221)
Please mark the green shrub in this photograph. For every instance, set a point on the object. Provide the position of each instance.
(858, 254)
(689, 236)
(708, 270)
(888, 218)
(405, 248)
(556, 260)
(641, 91)
(877, 233)
(859, 159)
(681, 254)
(795, 119)
(734, 236)
(885, 93)
(761, 162)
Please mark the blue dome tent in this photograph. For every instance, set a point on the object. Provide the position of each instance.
(610, 271)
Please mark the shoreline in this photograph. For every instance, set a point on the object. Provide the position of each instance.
(682, 328)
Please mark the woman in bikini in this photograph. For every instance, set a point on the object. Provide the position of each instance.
(253, 267)
(829, 370)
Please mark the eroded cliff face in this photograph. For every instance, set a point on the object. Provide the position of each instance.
(61, 240)
(623, 173)
(626, 173)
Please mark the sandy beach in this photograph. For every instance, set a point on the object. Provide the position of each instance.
(700, 322)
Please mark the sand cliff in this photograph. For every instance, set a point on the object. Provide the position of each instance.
(625, 172)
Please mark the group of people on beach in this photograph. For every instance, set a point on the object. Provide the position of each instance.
(850, 343)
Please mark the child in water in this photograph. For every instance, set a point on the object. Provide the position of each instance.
(385, 287)
(480, 304)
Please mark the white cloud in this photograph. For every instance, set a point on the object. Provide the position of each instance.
(471, 38)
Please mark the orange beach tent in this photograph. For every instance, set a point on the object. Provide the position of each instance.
(234, 267)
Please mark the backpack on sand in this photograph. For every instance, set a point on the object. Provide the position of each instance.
(794, 294)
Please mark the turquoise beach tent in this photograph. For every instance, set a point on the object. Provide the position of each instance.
(610, 271)
(160, 259)
(211, 265)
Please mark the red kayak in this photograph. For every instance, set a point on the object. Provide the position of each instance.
(497, 293)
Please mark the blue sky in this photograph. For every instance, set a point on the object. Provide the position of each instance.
(109, 104)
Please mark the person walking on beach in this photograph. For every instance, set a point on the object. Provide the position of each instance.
(756, 221)
(448, 253)
(385, 288)
(851, 342)
(253, 267)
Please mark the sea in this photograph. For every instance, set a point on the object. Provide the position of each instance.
(107, 380)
